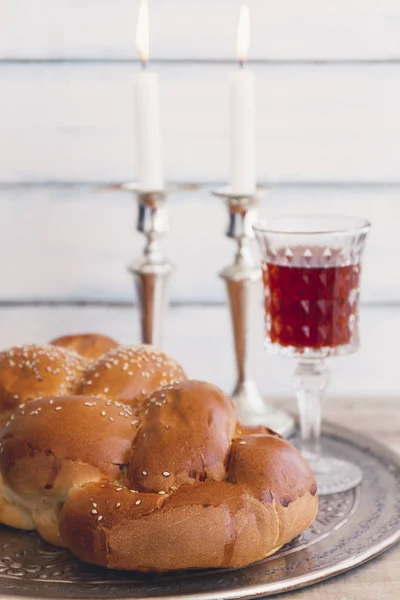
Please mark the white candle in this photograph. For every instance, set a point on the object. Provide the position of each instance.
(242, 114)
(147, 97)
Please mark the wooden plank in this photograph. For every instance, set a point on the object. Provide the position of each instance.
(200, 337)
(312, 29)
(74, 242)
(315, 123)
(377, 580)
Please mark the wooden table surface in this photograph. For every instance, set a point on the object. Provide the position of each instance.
(378, 579)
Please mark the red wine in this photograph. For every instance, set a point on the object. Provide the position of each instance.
(310, 307)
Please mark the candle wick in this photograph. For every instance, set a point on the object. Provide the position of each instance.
(144, 64)
(241, 63)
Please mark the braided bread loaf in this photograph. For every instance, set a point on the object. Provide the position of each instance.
(90, 345)
(159, 483)
(127, 374)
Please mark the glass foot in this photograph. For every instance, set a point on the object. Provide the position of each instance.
(333, 475)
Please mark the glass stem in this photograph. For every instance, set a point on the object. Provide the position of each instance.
(310, 381)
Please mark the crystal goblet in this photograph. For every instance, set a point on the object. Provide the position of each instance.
(311, 273)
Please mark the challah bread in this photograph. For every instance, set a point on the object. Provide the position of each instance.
(172, 483)
(129, 374)
(29, 372)
(54, 444)
(90, 345)
(184, 436)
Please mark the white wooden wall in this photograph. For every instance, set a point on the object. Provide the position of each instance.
(328, 139)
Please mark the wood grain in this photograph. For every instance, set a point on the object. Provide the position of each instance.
(312, 29)
(75, 242)
(378, 579)
(75, 122)
(328, 98)
(201, 338)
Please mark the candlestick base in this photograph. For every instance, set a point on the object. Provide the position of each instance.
(242, 280)
(253, 409)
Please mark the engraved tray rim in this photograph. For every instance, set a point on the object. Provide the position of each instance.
(253, 590)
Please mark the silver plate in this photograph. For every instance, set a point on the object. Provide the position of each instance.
(350, 528)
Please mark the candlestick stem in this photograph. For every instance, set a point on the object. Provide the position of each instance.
(242, 280)
(151, 272)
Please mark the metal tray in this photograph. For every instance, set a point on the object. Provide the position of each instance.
(350, 529)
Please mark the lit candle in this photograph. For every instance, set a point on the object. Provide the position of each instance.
(242, 114)
(147, 96)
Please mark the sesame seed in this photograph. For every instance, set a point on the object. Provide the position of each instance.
(94, 511)
(110, 419)
(51, 401)
(58, 407)
(94, 504)
(103, 413)
(144, 473)
(137, 502)
(106, 390)
(242, 442)
(166, 474)
(99, 518)
(162, 493)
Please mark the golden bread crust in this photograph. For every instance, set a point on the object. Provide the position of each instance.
(163, 483)
(33, 371)
(89, 345)
(128, 374)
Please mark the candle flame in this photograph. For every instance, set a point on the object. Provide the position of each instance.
(142, 32)
(243, 35)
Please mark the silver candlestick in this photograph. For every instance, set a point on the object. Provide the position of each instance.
(242, 281)
(152, 271)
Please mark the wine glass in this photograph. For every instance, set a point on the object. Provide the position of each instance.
(311, 273)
